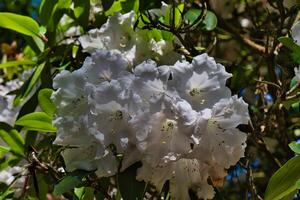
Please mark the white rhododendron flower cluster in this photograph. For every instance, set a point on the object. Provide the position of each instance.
(118, 35)
(178, 119)
(296, 36)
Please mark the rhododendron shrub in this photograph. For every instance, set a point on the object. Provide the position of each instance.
(175, 117)
(132, 99)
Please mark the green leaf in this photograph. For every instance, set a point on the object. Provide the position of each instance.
(16, 63)
(82, 11)
(37, 121)
(29, 85)
(210, 21)
(129, 187)
(289, 43)
(70, 181)
(14, 140)
(44, 14)
(19, 23)
(284, 181)
(289, 103)
(45, 102)
(116, 7)
(83, 193)
(4, 149)
(191, 15)
(130, 5)
(295, 147)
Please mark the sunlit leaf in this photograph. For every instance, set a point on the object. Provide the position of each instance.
(45, 102)
(284, 181)
(37, 121)
(19, 23)
(16, 63)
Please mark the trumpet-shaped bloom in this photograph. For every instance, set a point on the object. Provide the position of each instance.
(118, 34)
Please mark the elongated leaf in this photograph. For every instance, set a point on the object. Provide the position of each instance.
(14, 140)
(82, 11)
(45, 102)
(4, 149)
(37, 121)
(16, 63)
(19, 23)
(284, 181)
(29, 85)
(289, 43)
(45, 7)
(129, 187)
(70, 181)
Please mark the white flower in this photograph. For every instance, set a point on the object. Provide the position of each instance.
(217, 145)
(183, 175)
(93, 105)
(296, 32)
(218, 141)
(201, 83)
(118, 34)
(297, 74)
(179, 120)
(163, 132)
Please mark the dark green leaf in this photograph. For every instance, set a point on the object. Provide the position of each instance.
(37, 121)
(130, 5)
(70, 181)
(289, 102)
(289, 43)
(129, 187)
(284, 181)
(19, 23)
(45, 102)
(82, 11)
(45, 11)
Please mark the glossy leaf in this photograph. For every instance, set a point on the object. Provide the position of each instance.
(70, 181)
(19, 23)
(14, 140)
(29, 85)
(191, 15)
(37, 121)
(210, 21)
(45, 102)
(284, 181)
